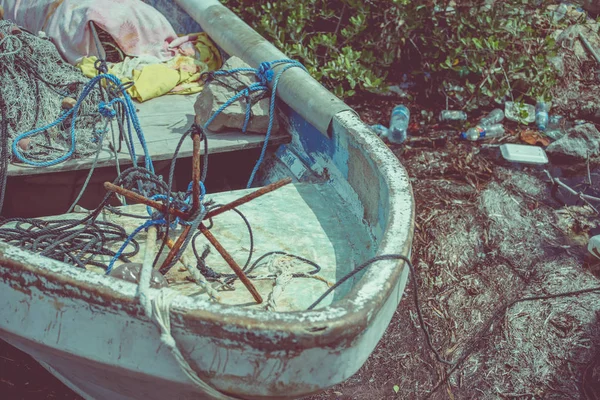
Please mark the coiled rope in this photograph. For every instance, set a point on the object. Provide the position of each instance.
(265, 75)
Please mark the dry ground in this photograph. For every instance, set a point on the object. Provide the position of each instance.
(488, 233)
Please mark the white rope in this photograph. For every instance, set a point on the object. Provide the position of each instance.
(158, 309)
(17, 48)
(281, 270)
(161, 317)
(146, 273)
(199, 278)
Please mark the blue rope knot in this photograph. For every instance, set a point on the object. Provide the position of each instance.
(265, 73)
(106, 110)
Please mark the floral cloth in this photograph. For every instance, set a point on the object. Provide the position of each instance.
(153, 78)
(137, 28)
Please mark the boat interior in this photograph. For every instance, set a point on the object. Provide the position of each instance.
(294, 243)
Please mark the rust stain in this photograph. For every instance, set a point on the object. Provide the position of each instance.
(59, 326)
(27, 303)
(272, 335)
(18, 287)
(58, 305)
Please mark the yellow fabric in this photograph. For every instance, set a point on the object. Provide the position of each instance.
(180, 75)
(207, 52)
(153, 81)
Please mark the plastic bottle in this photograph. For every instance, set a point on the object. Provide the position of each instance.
(555, 129)
(494, 117)
(555, 133)
(554, 120)
(452, 116)
(559, 13)
(541, 115)
(398, 124)
(479, 132)
(380, 130)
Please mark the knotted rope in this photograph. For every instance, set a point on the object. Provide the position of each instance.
(266, 75)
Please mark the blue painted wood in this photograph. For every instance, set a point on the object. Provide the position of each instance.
(181, 22)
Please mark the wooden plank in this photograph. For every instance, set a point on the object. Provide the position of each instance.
(163, 121)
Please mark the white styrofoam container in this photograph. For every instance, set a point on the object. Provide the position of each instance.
(594, 245)
(522, 153)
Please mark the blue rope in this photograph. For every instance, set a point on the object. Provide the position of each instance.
(266, 75)
(242, 93)
(159, 219)
(105, 110)
(119, 252)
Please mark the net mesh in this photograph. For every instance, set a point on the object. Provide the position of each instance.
(35, 80)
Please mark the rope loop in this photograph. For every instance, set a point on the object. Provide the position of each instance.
(101, 66)
(17, 46)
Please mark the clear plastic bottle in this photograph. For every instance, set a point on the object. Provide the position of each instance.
(555, 133)
(483, 132)
(452, 116)
(398, 124)
(494, 117)
(380, 130)
(554, 120)
(559, 13)
(555, 129)
(541, 115)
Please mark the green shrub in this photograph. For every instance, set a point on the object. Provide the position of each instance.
(364, 45)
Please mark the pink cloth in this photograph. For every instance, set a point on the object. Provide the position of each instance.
(137, 28)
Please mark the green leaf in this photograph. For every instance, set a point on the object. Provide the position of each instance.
(396, 388)
(408, 35)
(351, 81)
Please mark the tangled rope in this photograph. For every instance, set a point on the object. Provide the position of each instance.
(104, 109)
(35, 80)
(158, 219)
(78, 241)
(72, 241)
(265, 75)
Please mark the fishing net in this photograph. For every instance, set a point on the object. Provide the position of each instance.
(34, 81)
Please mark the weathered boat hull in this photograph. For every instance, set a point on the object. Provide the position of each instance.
(91, 332)
(106, 353)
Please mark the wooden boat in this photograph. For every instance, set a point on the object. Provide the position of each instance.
(350, 200)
